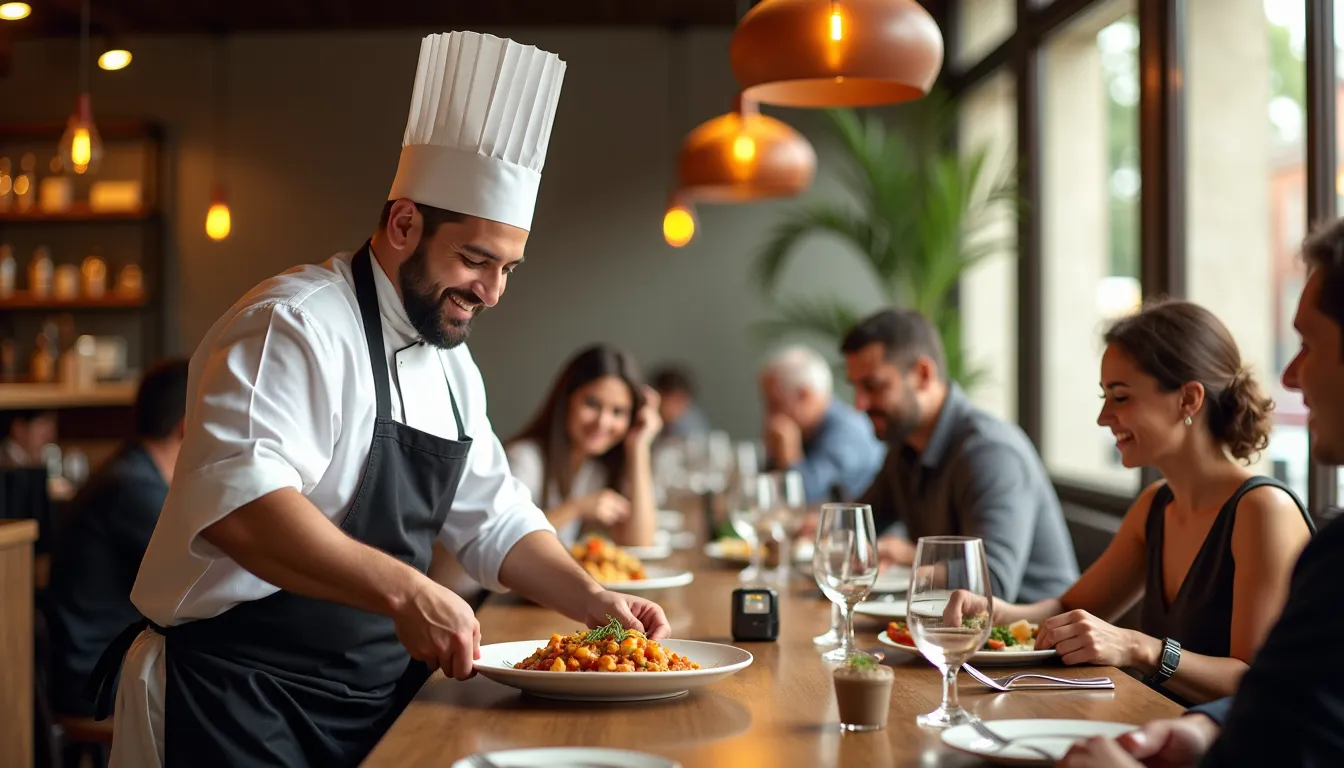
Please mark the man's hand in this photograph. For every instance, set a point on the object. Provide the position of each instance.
(783, 441)
(605, 506)
(633, 613)
(438, 628)
(894, 550)
(962, 604)
(1179, 742)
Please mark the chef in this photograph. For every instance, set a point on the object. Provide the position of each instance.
(337, 428)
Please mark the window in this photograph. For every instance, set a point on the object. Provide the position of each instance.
(988, 291)
(1090, 185)
(982, 25)
(1246, 181)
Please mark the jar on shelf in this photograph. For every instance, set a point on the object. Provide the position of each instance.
(95, 277)
(131, 281)
(40, 272)
(42, 363)
(9, 361)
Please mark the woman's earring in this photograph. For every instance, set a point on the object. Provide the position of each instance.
(1188, 422)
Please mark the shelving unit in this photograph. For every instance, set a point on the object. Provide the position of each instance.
(133, 151)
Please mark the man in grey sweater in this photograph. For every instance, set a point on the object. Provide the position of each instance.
(951, 468)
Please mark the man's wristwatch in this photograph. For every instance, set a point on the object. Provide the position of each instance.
(1166, 667)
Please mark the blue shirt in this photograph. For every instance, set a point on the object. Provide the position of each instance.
(842, 451)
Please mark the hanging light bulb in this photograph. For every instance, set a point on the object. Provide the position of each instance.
(15, 11)
(114, 59)
(744, 156)
(81, 147)
(837, 30)
(218, 221)
(678, 222)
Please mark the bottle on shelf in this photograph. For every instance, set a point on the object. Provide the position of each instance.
(40, 273)
(9, 361)
(42, 363)
(9, 271)
(95, 276)
(25, 192)
(65, 283)
(6, 185)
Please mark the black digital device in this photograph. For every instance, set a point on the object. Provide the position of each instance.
(755, 614)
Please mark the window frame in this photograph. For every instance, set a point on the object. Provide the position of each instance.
(1162, 163)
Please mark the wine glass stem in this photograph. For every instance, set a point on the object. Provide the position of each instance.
(847, 633)
(950, 700)
(837, 618)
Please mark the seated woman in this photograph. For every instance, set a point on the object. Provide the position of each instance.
(1210, 547)
(585, 456)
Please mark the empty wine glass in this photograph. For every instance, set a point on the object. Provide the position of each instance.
(946, 631)
(844, 563)
(750, 518)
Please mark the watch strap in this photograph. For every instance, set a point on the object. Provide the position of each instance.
(1170, 659)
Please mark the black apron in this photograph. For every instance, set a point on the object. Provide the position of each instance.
(293, 681)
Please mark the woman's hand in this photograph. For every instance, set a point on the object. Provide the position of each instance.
(1081, 638)
(605, 506)
(647, 422)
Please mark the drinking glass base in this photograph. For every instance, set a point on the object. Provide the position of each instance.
(829, 637)
(853, 727)
(945, 718)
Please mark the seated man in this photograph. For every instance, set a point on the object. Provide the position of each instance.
(104, 538)
(808, 430)
(951, 468)
(682, 418)
(1289, 708)
(25, 434)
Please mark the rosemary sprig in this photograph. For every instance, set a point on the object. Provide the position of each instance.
(861, 661)
(612, 631)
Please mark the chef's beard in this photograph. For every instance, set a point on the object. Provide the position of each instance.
(424, 303)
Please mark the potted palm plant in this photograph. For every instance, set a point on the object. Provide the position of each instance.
(922, 214)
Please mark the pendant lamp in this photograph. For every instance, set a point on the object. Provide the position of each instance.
(744, 155)
(81, 147)
(836, 53)
(218, 219)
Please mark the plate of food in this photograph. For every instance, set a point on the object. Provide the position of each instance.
(609, 663)
(882, 608)
(618, 568)
(566, 757)
(734, 550)
(1011, 644)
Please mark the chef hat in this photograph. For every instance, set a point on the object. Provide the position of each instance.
(480, 123)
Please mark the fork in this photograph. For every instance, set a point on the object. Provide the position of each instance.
(984, 730)
(1054, 684)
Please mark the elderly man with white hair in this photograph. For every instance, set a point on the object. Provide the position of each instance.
(807, 429)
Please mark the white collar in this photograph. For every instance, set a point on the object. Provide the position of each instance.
(393, 311)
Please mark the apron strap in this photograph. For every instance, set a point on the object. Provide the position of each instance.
(102, 683)
(367, 295)
(452, 400)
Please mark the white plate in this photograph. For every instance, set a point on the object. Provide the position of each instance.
(1052, 736)
(569, 757)
(720, 550)
(655, 578)
(983, 658)
(716, 662)
(671, 519)
(655, 552)
(882, 609)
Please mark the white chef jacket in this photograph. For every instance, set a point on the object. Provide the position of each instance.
(282, 395)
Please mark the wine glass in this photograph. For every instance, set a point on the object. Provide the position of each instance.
(947, 638)
(750, 518)
(844, 564)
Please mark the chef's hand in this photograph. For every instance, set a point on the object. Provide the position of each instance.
(605, 506)
(648, 422)
(633, 613)
(439, 628)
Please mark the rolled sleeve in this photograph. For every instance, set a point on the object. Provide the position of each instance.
(265, 417)
(994, 504)
(493, 510)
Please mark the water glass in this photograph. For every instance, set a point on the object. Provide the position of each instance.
(948, 630)
(845, 565)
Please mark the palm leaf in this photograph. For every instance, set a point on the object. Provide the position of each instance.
(818, 218)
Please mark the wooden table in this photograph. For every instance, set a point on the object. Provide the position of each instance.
(779, 711)
(16, 641)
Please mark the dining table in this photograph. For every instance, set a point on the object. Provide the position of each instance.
(779, 711)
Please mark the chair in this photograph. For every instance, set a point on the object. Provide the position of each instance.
(65, 739)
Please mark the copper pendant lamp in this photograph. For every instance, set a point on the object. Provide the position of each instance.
(836, 53)
(742, 156)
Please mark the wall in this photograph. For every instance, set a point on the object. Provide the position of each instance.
(314, 126)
